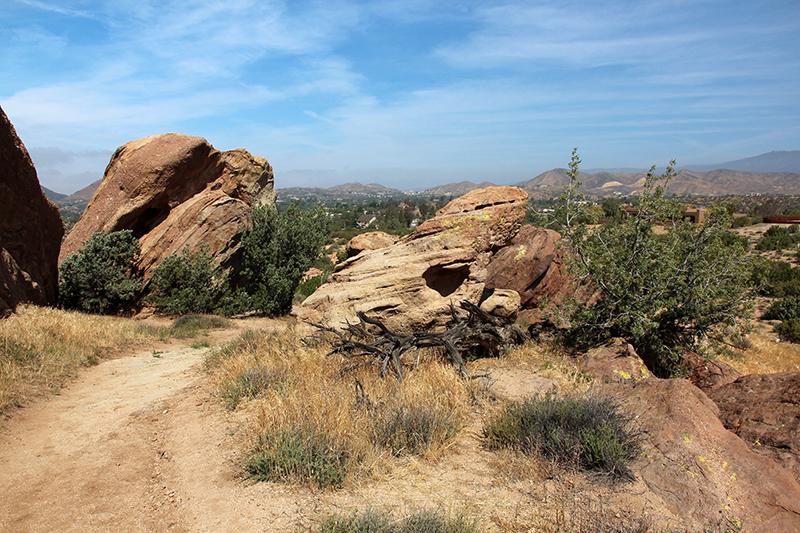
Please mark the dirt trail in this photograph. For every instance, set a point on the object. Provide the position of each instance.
(134, 444)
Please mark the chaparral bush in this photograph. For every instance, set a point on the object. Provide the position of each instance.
(663, 283)
(101, 278)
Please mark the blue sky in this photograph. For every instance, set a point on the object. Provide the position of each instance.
(409, 94)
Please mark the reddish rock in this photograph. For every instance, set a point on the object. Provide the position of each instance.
(764, 410)
(616, 360)
(30, 228)
(709, 374)
(531, 265)
(374, 240)
(175, 191)
(699, 470)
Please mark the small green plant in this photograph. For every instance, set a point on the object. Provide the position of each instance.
(184, 283)
(307, 287)
(249, 383)
(190, 325)
(101, 278)
(585, 432)
(789, 330)
(301, 455)
(372, 521)
(414, 430)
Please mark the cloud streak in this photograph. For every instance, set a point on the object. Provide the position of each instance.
(350, 89)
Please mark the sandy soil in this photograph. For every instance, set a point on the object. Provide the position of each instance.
(140, 444)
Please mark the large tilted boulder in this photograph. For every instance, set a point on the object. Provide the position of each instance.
(30, 228)
(175, 191)
(411, 284)
(700, 471)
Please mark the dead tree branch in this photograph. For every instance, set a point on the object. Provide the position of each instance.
(383, 348)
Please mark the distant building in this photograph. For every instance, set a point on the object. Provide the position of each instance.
(694, 215)
(365, 221)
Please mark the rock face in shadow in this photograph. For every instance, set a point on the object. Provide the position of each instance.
(175, 191)
(701, 471)
(410, 285)
(30, 228)
(764, 410)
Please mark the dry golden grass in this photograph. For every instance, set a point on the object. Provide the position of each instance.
(41, 347)
(766, 356)
(290, 385)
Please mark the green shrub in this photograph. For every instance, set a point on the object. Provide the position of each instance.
(664, 284)
(249, 383)
(783, 309)
(190, 325)
(778, 238)
(371, 521)
(184, 283)
(101, 278)
(301, 455)
(789, 330)
(307, 287)
(277, 251)
(586, 432)
(775, 278)
(414, 430)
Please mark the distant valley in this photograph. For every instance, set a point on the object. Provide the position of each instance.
(774, 173)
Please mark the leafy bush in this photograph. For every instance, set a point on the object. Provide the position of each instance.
(184, 283)
(775, 278)
(414, 430)
(783, 309)
(371, 521)
(307, 287)
(789, 330)
(101, 278)
(664, 284)
(277, 251)
(778, 238)
(586, 432)
(302, 455)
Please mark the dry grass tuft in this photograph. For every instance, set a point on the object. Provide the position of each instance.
(41, 347)
(766, 356)
(297, 389)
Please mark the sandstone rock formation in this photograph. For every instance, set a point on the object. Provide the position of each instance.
(175, 191)
(764, 410)
(699, 470)
(374, 240)
(410, 285)
(30, 228)
(615, 360)
(530, 265)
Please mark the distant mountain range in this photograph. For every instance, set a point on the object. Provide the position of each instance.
(773, 173)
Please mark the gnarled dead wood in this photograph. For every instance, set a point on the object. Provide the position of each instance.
(382, 347)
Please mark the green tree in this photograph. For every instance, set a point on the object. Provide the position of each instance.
(664, 284)
(277, 252)
(184, 283)
(101, 278)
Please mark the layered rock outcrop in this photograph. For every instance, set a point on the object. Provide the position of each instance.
(410, 285)
(764, 410)
(699, 470)
(175, 191)
(30, 228)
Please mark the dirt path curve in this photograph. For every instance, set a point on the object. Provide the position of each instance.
(134, 444)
